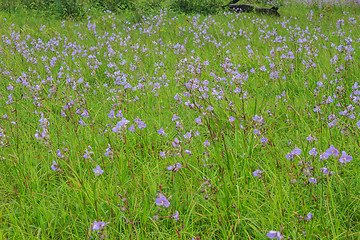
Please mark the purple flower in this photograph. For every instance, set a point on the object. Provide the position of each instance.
(176, 215)
(317, 109)
(176, 142)
(37, 135)
(198, 120)
(161, 132)
(132, 128)
(308, 216)
(59, 153)
(324, 156)
(111, 114)
(264, 140)
(231, 119)
(345, 112)
(325, 170)
(256, 118)
(256, 132)
(162, 201)
(345, 158)
(206, 143)
(257, 173)
(274, 235)
(332, 124)
(329, 100)
(109, 153)
(55, 166)
(332, 151)
(178, 125)
(289, 156)
(10, 87)
(124, 121)
(313, 152)
(88, 153)
(98, 171)
(174, 167)
(141, 125)
(81, 122)
(177, 166)
(10, 99)
(187, 135)
(312, 180)
(119, 114)
(98, 225)
(85, 114)
(358, 124)
(117, 128)
(310, 138)
(296, 151)
(174, 118)
(188, 152)
(162, 154)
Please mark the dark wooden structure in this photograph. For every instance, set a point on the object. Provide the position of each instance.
(251, 8)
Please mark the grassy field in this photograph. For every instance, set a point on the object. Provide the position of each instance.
(168, 126)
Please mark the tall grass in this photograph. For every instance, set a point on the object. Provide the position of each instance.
(241, 126)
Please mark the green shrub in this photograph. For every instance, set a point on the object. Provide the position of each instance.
(113, 5)
(69, 8)
(198, 6)
(8, 5)
(40, 5)
(61, 8)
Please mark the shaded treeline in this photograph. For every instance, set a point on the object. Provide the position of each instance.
(79, 8)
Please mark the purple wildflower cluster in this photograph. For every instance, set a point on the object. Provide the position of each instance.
(44, 135)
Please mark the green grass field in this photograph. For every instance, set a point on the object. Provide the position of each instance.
(231, 126)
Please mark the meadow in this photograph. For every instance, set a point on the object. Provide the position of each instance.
(175, 126)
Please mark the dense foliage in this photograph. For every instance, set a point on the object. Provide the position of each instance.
(78, 9)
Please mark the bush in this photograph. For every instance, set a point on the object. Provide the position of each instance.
(8, 5)
(198, 6)
(39, 5)
(75, 8)
(69, 8)
(60, 8)
(113, 5)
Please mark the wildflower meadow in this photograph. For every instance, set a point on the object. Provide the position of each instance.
(181, 126)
